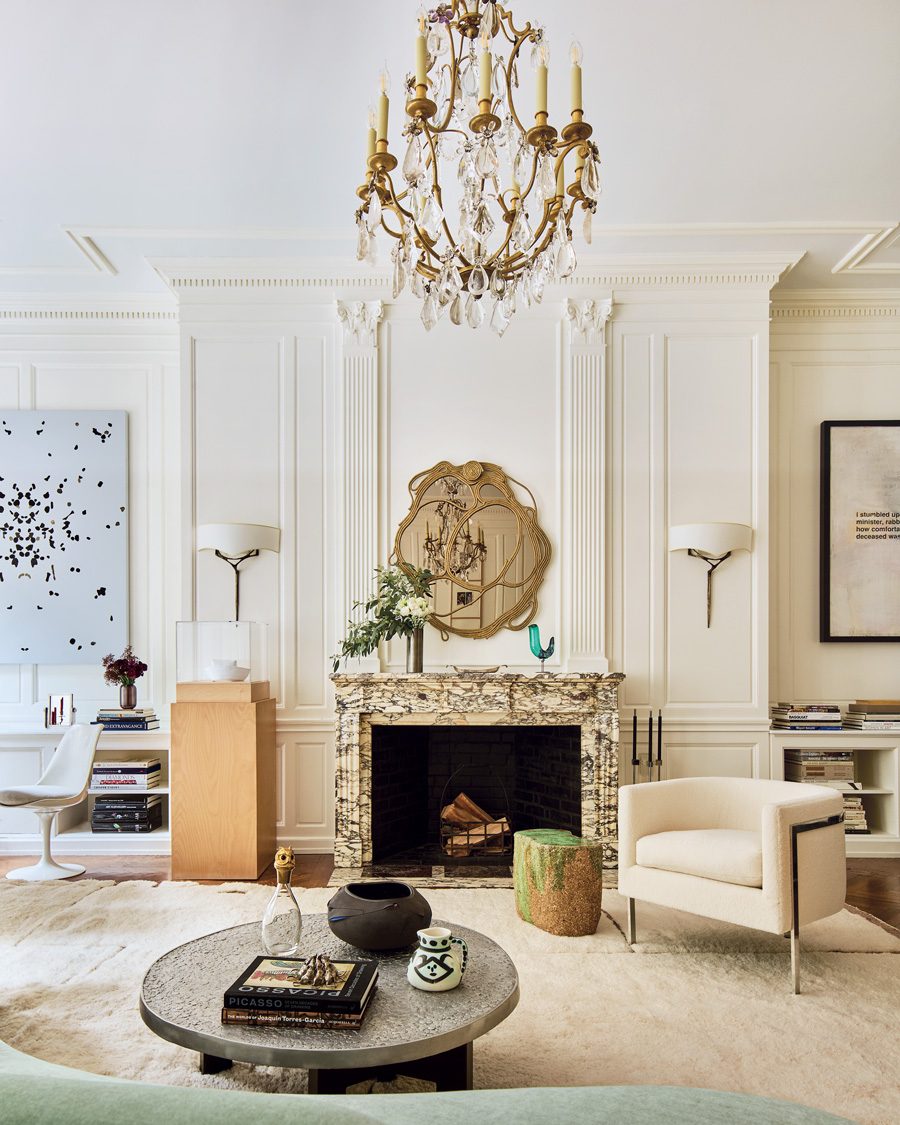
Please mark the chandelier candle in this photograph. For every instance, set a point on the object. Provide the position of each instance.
(464, 244)
(384, 82)
(576, 54)
(370, 136)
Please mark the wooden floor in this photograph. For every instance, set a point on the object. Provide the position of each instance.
(873, 885)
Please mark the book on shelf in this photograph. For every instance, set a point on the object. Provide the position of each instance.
(125, 827)
(127, 724)
(129, 782)
(102, 815)
(801, 709)
(136, 713)
(127, 800)
(125, 820)
(805, 716)
(268, 984)
(791, 726)
(816, 764)
(861, 723)
(126, 765)
(816, 754)
(875, 705)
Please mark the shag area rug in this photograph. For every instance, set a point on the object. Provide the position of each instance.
(695, 1003)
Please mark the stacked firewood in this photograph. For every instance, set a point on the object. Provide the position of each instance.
(466, 829)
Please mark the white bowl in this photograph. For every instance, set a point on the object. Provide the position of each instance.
(230, 673)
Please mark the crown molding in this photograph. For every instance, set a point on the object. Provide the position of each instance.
(836, 304)
(133, 308)
(242, 276)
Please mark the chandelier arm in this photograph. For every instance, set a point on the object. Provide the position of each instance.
(436, 186)
(454, 70)
(513, 55)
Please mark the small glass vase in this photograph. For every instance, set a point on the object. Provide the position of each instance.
(414, 650)
(128, 696)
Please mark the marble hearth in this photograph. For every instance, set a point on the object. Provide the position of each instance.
(585, 700)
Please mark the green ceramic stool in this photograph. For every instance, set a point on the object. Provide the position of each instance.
(559, 881)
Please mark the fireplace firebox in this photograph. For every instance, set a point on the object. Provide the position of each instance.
(530, 775)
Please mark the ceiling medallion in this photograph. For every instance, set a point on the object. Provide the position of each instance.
(480, 212)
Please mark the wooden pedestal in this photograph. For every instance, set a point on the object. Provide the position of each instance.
(223, 789)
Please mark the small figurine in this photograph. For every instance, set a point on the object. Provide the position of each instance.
(317, 972)
(534, 640)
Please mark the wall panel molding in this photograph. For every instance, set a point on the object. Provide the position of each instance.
(584, 483)
(359, 455)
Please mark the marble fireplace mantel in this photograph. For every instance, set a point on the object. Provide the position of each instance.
(585, 699)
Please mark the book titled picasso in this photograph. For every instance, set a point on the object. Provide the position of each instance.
(270, 984)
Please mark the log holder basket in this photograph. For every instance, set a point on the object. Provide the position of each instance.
(473, 843)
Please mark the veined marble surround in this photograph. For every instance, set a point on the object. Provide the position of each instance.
(367, 699)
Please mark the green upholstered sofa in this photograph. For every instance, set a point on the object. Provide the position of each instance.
(33, 1092)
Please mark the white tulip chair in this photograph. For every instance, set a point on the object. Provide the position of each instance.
(63, 783)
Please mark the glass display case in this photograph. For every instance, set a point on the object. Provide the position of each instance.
(221, 651)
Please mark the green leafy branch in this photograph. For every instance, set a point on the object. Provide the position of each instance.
(396, 609)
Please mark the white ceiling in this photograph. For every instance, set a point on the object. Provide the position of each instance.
(206, 128)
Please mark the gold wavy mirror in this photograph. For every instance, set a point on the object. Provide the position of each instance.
(485, 547)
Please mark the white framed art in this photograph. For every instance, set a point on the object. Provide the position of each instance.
(63, 535)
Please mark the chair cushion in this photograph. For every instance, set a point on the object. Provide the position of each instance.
(33, 794)
(724, 854)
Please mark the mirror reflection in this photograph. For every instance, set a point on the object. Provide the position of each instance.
(468, 527)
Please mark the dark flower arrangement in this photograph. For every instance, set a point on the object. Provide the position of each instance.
(124, 670)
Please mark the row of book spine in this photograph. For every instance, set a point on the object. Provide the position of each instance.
(119, 719)
(835, 769)
(862, 715)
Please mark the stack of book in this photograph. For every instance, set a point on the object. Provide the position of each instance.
(854, 816)
(818, 766)
(129, 775)
(873, 714)
(127, 812)
(114, 718)
(267, 994)
(836, 769)
(806, 716)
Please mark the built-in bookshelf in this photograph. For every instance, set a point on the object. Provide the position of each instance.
(876, 759)
(73, 827)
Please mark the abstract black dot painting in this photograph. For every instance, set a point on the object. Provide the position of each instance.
(63, 535)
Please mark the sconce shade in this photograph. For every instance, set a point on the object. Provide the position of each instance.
(237, 538)
(710, 538)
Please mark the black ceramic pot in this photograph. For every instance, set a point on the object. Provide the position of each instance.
(378, 915)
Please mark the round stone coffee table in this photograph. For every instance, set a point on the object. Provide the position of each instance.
(424, 1035)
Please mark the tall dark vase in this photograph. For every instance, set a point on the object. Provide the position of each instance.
(414, 650)
(128, 696)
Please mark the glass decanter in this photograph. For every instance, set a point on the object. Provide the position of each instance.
(282, 921)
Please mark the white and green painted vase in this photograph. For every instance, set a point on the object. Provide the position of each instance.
(439, 962)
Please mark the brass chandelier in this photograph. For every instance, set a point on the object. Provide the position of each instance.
(481, 210)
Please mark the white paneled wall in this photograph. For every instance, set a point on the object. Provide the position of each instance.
(74, 363)
(627, 403)
(831, 360)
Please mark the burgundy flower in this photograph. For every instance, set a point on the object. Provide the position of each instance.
(124, 670)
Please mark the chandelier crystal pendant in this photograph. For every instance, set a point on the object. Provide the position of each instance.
(482, 208)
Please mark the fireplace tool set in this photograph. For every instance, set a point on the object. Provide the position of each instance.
(635, 756)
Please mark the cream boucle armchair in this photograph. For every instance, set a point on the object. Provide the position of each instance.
(764, 854)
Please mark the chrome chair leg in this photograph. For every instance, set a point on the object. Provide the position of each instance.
(631, 933)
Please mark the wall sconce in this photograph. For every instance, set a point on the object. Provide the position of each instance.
(712, 542)
(235, 543)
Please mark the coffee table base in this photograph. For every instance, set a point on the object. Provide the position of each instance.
(449, 1070)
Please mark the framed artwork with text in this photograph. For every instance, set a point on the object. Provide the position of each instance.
(860, 531)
